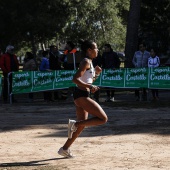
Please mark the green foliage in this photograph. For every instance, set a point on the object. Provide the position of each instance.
(98, 20)
(30, 22)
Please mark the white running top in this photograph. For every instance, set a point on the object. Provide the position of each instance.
(89, 74)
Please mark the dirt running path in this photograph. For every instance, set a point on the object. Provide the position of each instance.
(133, 138)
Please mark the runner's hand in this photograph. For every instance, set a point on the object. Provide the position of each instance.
(94, 89)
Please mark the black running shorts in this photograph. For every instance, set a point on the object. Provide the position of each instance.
(80, 93)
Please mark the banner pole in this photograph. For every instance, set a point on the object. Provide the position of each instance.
(9, 95)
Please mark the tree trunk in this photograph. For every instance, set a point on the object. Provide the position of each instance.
(33, 45)
(132, 31)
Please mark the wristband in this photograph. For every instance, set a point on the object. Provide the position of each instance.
(91, 87)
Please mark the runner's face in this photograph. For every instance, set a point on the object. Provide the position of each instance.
(94, 51)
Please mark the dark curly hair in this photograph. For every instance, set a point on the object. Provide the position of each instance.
(86, 44)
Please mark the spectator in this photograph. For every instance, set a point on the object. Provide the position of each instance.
(140, 60)
(54, 58)
(29, 65)
(29, 62)
(154, 61)
(8, 63)
(110, 61)
(44, 66)
(55, 63)
(70, 50)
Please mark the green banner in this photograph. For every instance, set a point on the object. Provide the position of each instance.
(34, 81)
(98, 81)
(22, 82)
(113, 78)
(159, 78)
(136, 78)
(43, 80)
(63, 79)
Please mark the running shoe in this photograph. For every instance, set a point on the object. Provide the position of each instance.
(71, 128)
(65, 153)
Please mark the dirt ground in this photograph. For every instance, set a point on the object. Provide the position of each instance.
(136, 137)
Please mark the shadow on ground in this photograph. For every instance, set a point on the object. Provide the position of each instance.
(30, 163)
(124, 118)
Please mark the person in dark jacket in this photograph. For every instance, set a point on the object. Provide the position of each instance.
(55, 64)
(8, 63)
(109, 61)
(54, 58)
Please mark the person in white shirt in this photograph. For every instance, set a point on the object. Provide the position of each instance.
(140, 60)
(84, 78)
(154, 61)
